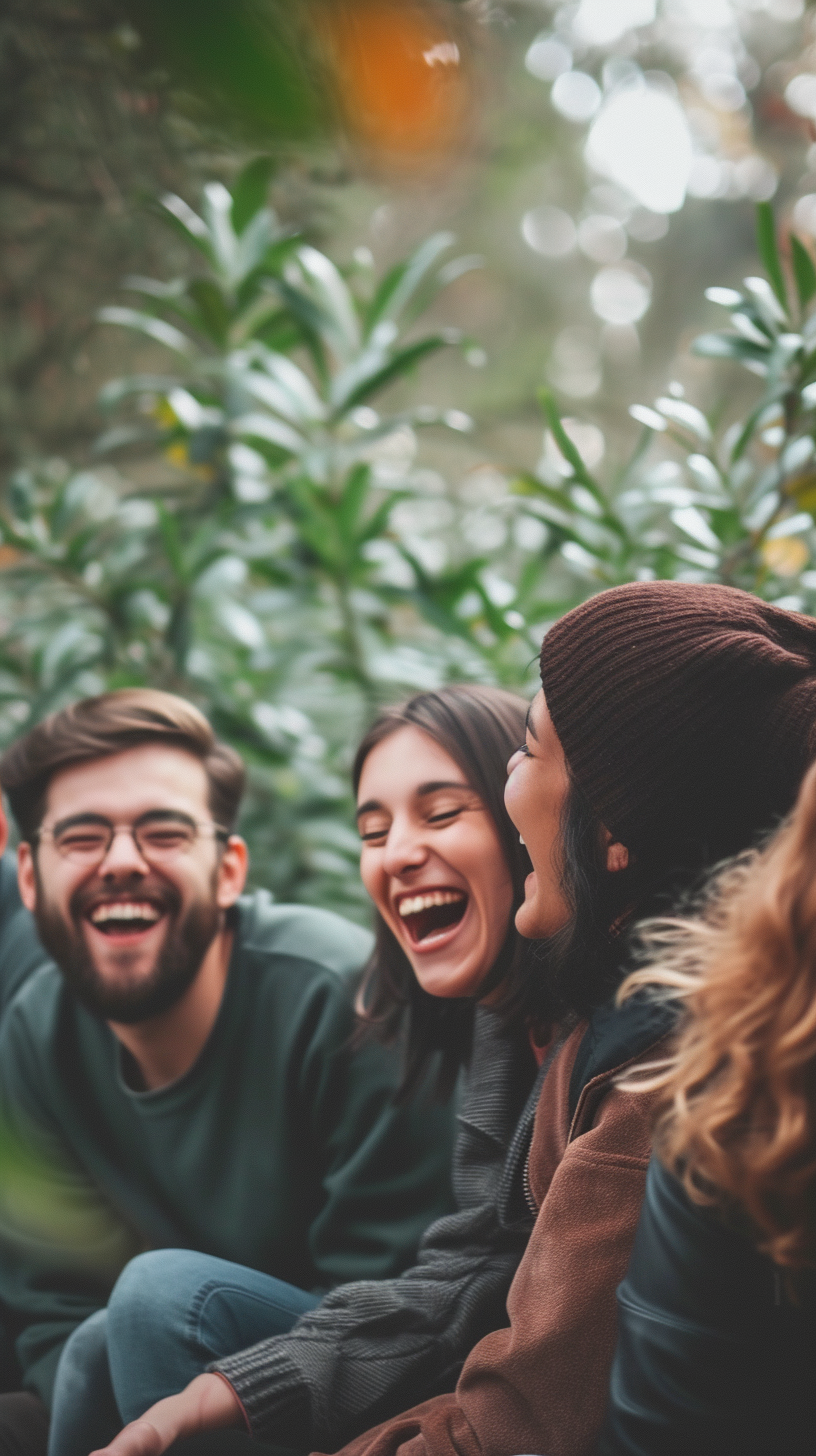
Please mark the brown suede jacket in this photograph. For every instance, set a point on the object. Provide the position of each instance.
(541, 1384)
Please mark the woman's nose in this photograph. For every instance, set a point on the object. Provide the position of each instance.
(404, 849)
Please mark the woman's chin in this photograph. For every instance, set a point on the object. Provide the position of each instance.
(451, 978)
(528, 915)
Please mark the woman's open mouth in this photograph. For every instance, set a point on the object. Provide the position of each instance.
(428, 913)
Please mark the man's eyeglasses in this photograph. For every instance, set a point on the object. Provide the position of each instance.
(160, 835)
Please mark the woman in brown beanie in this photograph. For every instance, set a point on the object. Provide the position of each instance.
(674, 724)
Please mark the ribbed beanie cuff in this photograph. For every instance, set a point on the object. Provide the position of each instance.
(684, 710)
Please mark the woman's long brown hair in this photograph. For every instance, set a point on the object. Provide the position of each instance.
(739, 1119)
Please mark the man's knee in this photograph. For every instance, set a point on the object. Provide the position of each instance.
(149, 1287)
(23, 1425)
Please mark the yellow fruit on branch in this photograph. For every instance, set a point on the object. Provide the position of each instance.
(785, 555)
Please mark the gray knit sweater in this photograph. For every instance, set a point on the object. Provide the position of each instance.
(373, 1348)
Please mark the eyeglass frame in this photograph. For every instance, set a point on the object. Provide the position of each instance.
(151, 815)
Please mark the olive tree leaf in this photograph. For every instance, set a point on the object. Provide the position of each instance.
(769, 251)
(803, 271)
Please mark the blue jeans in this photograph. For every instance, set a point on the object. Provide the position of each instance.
(170, 1313)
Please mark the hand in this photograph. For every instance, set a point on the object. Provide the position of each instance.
(207, 1401)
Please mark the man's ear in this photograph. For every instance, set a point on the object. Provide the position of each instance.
(3, 829)
(232, 872)
(26, 878)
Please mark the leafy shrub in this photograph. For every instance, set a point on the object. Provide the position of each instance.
(286, 563)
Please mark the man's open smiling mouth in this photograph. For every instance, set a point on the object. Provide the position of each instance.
(426, 913)
(125, 917)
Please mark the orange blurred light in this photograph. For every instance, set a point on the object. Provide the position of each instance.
(401, 74)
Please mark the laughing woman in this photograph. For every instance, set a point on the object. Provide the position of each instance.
(445, 870)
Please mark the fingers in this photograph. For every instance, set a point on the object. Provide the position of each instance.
(140, 1438)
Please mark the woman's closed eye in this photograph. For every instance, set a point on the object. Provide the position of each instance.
(372, 830)
(444, 816)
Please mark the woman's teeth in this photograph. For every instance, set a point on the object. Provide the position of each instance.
(432, 911)
(413, 904)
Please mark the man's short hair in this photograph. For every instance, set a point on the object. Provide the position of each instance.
(112, 723)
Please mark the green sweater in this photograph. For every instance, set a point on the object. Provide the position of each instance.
(20, 949)
(280, 1149)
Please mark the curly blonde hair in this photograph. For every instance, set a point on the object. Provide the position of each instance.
(738, 1123)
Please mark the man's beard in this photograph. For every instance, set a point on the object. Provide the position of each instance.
(187, 939)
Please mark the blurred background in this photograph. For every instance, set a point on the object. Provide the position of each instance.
(344, 344)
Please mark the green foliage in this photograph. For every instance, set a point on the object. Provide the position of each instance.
(259, 571)
(732, 503)
(286, 562)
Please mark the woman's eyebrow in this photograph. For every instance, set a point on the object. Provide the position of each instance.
(437, 784)
(368, 807)
(528, 724)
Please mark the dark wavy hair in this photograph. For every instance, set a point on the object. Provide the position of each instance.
(574, 971)
(479, 727)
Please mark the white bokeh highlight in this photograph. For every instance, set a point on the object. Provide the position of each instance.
(641, 140)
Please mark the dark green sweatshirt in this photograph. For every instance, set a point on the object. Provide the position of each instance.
(20, 949)
(280, 1149)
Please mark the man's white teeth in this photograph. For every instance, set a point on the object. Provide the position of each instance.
(415, 903)
(119, 910)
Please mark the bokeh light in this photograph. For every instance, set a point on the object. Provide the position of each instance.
(621, 295)
(549, 231)
(402, 75)
(641, 139)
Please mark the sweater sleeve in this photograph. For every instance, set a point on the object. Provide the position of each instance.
(20, 949)
(370, 1347)
(61, 1243)
(541, 1384)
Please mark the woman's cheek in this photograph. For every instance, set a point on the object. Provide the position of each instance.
(368, 873)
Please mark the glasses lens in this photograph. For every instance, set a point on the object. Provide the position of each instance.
(83, 841)
(165, 837)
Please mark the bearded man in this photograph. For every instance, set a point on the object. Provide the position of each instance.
(183, 1076)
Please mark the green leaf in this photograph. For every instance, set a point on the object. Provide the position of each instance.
(214, 315)
(769, 252)
(401, 283)
(727, 346)
(118, 389)
(377, 523)
(402, 363)
(353, 499)
(181, 218)
(145, 323)
(748, 430)
(250, 190)
(218, 207)
(564, 442)
(803, 271)
(334, 300)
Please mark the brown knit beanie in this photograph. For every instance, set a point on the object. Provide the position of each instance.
(687, 713)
